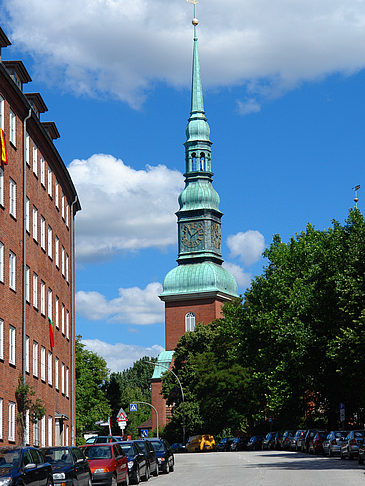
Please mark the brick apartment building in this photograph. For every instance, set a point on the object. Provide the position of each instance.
(38, 203)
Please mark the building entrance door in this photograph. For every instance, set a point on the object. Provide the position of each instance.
(59, 437)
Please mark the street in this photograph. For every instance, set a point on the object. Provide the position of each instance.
(262, 468)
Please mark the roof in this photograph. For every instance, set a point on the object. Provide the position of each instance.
(4, 41)
(20, 69)
(51, 129)
(164, 359)
(147, 424)
(38, 101)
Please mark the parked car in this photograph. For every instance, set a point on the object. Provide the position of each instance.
(268, 442)
(350, 447)
(286, 439)
(310, 433)
(333, 442)
(178, 447)
(225, 444)
(108, 464)
(315, 443)
(24, 465)
(150, 454)
(361, 455)
(255, 442)
(104, 439)
(277, 440)
(200, 443)
(69, 466)
(137, 461)
(165, 456)
(294, 442)
(239, 444)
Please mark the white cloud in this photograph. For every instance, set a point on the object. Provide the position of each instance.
(120, 356)
(248, 246)
(133, 306)
(243, 279)
(248, 106)
(121, 48)
(123, 209)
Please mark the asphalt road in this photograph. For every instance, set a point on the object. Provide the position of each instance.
(264, 468)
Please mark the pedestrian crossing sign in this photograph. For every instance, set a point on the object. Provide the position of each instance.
(133, 407)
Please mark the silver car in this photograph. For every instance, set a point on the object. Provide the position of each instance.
(333, 442)
(350, 447)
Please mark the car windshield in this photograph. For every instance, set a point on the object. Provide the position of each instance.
(55, 455)
(9, 458)
(142, 445)
(360, 433)
(98, 452)
(158, 446)
(127, 449)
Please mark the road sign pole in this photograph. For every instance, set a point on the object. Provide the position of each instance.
(146, 403)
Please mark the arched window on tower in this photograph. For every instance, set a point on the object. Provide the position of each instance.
(189, 322)
(193, 160)
(202, 161)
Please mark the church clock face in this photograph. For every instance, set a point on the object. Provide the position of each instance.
(192, 234)
(216, 235)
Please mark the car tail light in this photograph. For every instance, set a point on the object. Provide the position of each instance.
(353, 442)
(333, 442)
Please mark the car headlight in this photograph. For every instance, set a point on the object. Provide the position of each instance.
(160, 459)
(130, 464)
(5, 481)
(100, 470)
(59, 476)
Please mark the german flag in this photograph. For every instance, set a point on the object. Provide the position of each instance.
(4, 155)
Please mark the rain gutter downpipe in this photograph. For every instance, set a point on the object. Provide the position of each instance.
(72, 323)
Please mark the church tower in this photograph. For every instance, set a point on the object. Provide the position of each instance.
(194, 291)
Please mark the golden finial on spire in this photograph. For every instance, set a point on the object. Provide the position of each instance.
(195, 20)
(356, 199)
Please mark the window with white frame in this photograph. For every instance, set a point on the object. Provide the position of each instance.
(50, 426)
(2, 103)
(27, 354)
(50, 299)
(12, 127)
(43, 171)
(56, 310)
(63, 206)
(35, 358)
(63, 319)
(66, 436)
(189, 321)
(63, 261)
(35, 290)
(67, 381)
(37, 433)
(1, 418)
(49, 368)
(11, 421)
(12, 268)
(57, 252)
(35, 159)
(67, 267)
(43, 298)
(67, 214)
(67, 324)
(27, 215)
(49, 182)
(12, 197)
(43, 431)
(50, 242)
(27, 283)
(26, 431)
(43, 233)
(27, 148)
(1, 262)
(35, 223)
(43, 363)
(12, 345)
(1, 187)
(56, 371)
(57, 194)
(1, 339)
(63, 379)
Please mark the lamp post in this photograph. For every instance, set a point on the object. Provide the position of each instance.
(182, 393)
(146, 403)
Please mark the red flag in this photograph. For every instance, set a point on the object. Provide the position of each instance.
(3, 153)
(51, 333)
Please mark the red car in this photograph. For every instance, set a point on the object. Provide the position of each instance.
(108, 464)
(315, 444)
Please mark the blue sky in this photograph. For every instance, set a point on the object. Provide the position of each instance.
(284, 93)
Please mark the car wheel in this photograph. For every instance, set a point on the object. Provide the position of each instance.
(167, 468)
(172, 467)
(146, 476)
(137, 477)
(89, 482)
(155, 473)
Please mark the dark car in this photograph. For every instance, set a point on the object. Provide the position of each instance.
(69, 466)
(104, 439)
(333, 442)
(361, 454)
(24, 465)
(277, 440)
(137, 461)
(296, 440)
(310, 433)
(108, 464)
(315, 443)
(165, 456)
(178, 447)
(350, 448)
(286, 439)
(254, 444)
(225, 444)
(150, 454)
(239, 444)
(268, 442)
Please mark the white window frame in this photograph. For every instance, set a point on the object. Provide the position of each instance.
(43, 233)
(67, 435)
(57, 320)
(57, 252)
(2, 263)
(12, 270)
(63, 378)
(67, 381)
(35, 159)
(1, 187)
(1, 339)
(12, 336)
(35, 223)
(49, 180)
(67, 214)
(43, 431)
(67, 267)
(67, 324)
(2, 104)
(11, 421)
(1, 417)
(63, 319)
(27, 215)
(35, 290)
(27, 354)
(12, 197)
(50, 358)
(36, 433)
(50, 242)
(43, 363)
(27, 283)
(50, 302)
(43, 298)
(63, 206)
(26, 431)
(50, 431)
(43, 171)
(63, 261)
(27, 143)
(56, 371)
(189, 321)
(57, 194)
(35, 358)
(12, 127)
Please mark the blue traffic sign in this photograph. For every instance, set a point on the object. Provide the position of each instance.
(133, 407)
(144, 432)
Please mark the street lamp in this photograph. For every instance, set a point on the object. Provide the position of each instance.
(182, 392)
(146, 403)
